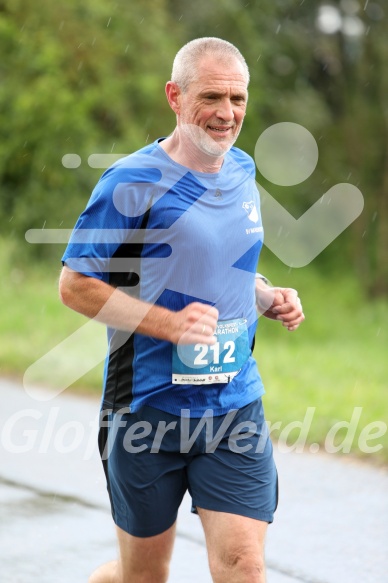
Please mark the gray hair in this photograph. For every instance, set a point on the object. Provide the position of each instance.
(187, 58)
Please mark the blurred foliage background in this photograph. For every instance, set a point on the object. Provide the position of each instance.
(88, 77)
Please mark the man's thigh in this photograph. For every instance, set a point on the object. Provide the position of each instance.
(145, 559)
(235, 546)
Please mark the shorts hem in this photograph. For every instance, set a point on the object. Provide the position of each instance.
(142, 532)
(246, 512)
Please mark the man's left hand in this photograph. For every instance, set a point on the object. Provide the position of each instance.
(282, 304)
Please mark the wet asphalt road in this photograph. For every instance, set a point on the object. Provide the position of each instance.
(331, 525)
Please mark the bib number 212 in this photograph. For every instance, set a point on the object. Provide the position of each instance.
(211, 354)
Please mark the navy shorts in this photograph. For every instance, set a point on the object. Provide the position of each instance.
(151, 458)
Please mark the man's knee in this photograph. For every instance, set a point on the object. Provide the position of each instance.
(240, 565)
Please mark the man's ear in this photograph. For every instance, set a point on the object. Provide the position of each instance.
(173, 94)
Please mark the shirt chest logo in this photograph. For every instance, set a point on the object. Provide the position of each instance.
(251, 210)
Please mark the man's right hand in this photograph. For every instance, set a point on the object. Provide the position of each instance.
(195, 324)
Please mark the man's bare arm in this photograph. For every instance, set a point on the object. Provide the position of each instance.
(94, 298)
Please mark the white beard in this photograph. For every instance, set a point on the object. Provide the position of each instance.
(205, 143)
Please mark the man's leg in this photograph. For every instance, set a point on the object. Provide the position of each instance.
(235, 546)
(141, 560)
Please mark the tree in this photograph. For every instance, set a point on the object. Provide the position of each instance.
(78, 77)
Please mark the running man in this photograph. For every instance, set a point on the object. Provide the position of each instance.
(165, 254)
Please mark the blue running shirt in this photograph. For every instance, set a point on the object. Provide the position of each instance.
(169, 235)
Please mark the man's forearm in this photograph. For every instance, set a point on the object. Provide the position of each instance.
(196, 323)
(101, 302)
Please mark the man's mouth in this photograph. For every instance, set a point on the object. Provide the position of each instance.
(222, 129)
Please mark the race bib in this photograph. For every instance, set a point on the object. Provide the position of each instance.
(200, 364)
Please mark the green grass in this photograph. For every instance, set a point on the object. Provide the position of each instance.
(333, 367)
(34, 322)
(335, 363)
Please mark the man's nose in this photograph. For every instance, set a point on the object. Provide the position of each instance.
(225, 110)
